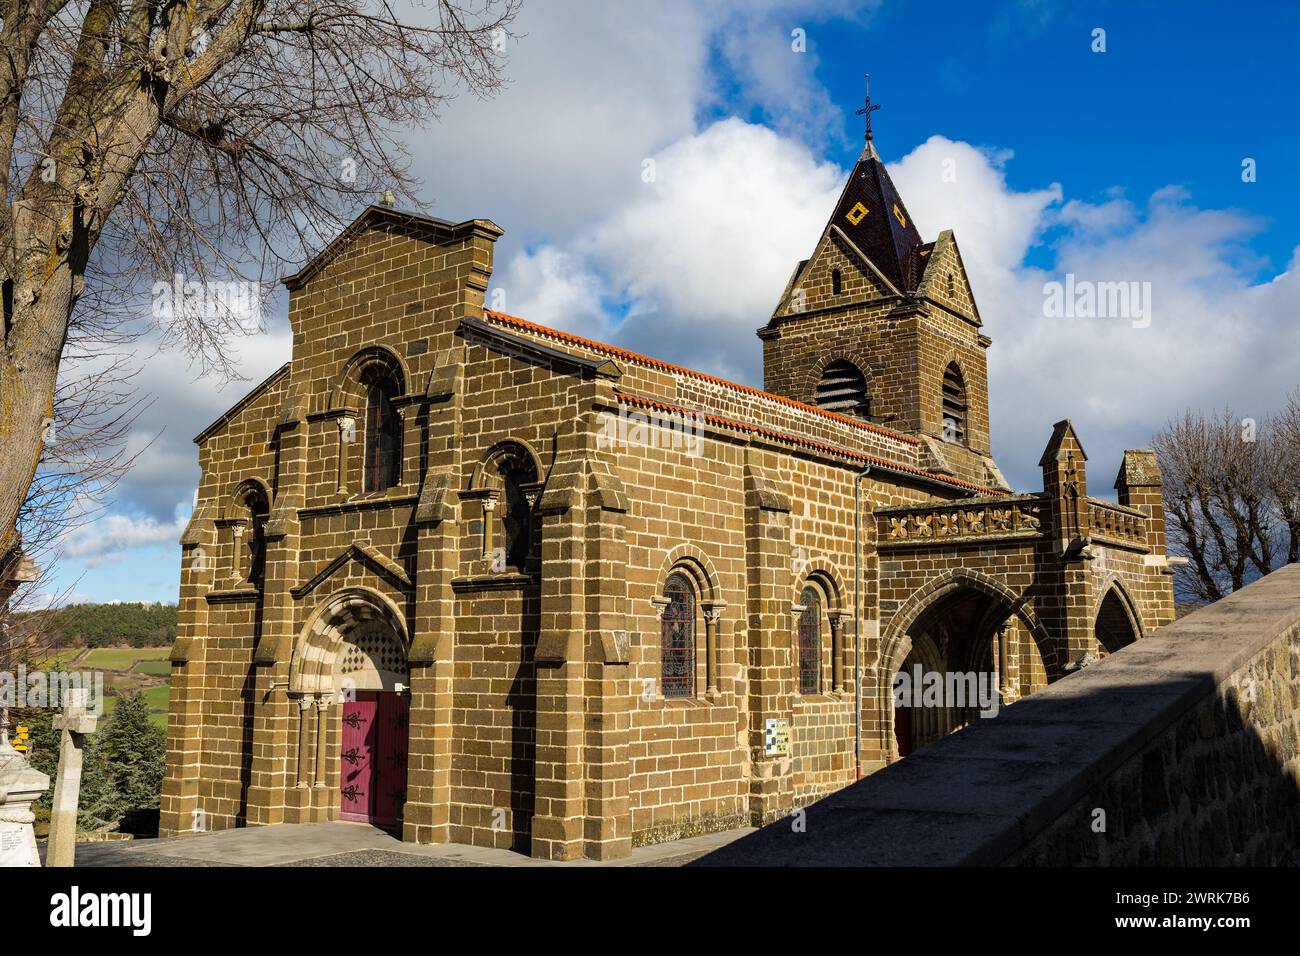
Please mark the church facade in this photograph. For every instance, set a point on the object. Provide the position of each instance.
(488, 582)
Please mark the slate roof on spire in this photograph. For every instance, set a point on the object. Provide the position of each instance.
(871, 213)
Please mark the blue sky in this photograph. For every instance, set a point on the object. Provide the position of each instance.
(1117, 165)
(1183, 92)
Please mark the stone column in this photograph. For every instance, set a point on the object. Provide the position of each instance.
(558, 808)
(305, 705)
(321, 773)
(1138, 486)
(768, 626)
(837, 651)
(347, 438)
(272, 795)
(1066, 484)
(712, 613)
(607, 831)
(179, 809)
(427, 816)
(489, 527)
(75, 723)
(236, 576)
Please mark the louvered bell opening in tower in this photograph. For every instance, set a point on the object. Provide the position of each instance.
(954, 405)
(843, 389)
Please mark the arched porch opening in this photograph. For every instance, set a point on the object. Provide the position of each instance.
(966, 653)
(1116, 625)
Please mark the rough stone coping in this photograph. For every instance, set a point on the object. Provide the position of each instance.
(977, 796)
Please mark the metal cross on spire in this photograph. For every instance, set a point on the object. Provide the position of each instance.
(867, 108)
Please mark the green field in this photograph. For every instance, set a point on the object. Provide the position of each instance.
(157, 697)
(60, 660)
(126, 670)
(121, 658)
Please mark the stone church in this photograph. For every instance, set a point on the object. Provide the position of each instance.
(484, 581)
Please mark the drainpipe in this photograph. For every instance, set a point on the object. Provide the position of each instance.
(857, 618)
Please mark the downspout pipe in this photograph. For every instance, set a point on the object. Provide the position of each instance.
(857, 618)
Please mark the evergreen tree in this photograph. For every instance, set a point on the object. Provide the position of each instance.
(122, 762)
(134, 751)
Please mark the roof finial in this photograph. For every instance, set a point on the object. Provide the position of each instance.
(867, 108)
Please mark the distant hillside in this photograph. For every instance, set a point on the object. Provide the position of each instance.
(109, 625)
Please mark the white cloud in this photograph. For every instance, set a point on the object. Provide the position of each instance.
(109, 538)
(1215, 336)
(695, 259)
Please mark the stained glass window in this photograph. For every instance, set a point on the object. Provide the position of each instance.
(810, 647)
(677, 639)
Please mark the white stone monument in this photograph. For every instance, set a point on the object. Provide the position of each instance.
(19, 786)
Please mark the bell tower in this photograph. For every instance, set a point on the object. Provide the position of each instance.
(881, 325)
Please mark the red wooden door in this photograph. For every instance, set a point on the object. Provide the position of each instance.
(390, 759)
(372, 781)
(357, 757)
(903, 730)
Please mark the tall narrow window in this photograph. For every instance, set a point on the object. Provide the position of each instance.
(954, 405)
(810, 644)
(257, 549)
(677, 639)
(518, 519)
(843, 389)
(250, 546)
(837, 283)
(383, 465)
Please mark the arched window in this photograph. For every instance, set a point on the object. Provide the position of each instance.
(250, 536)
(954, 405)
(677, 638)
(383, 462)
(810, 643)
(506, 482)
(837, 282)
(843, 389)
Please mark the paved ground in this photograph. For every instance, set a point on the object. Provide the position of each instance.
(351, 844)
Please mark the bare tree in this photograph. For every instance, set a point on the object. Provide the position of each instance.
(1284, 472)
(158, 149)
(1230, 494)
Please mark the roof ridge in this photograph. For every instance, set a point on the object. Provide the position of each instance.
(809, 442)
(629, 355)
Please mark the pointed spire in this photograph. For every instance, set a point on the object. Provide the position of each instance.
(871, 214)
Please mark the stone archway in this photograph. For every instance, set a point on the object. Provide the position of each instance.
(1116, 624)
(350, 665)
(966, 648)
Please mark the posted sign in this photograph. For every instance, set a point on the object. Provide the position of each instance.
(776, 737)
